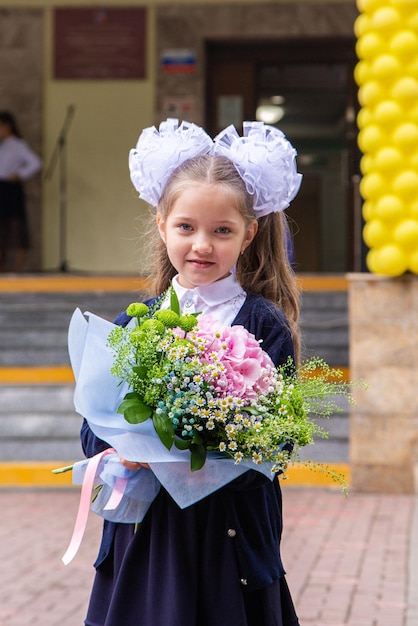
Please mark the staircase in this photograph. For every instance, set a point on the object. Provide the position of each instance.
(37, 418)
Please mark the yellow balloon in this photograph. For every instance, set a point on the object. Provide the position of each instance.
(412, 68)
(405, 90)
(404, 6)
(406, 184)
(364, 117)
(404, 44)
(368, 5)
(413, 209)
(361, 25)
(368, 211)
(371, 138)
(390, 208)
(366, 164)
(386, 67)
(413, 114)
(413, 21)
(388, 113)
(372, 186)
(406, 136)
(362, 72)
(413, 161)
(376, 234)
(371, 93)
(406, 234)
(386, 20)
(388, 160)
(369, 46)
(388, 260)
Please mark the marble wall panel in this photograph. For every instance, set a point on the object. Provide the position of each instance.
(383, 316)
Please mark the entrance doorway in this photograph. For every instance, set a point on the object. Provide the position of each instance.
(306, 88)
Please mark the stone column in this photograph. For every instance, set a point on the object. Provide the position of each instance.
(383, 314)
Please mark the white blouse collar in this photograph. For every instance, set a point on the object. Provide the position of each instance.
(219, 292)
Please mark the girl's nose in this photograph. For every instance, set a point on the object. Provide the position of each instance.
(202, 245)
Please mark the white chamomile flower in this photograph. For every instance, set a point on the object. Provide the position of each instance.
(238, 457)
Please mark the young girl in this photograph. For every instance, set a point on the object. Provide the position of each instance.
(219, 241)
(17, 163)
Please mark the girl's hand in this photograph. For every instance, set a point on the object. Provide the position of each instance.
(133, 465)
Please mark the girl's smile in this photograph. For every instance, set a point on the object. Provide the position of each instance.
(205, 233)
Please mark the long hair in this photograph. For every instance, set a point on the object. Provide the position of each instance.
(8, 118)
(264, 268)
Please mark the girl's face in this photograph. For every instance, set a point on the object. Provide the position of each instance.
(204, 233)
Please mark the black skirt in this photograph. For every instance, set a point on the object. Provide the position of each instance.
(179, 569)
(13, 214)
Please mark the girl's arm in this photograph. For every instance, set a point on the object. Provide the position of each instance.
(30, 163)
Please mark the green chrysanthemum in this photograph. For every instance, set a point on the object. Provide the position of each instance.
(137, 309)
(136, 336)
(187, 322)
(153, 325)
(167, 317)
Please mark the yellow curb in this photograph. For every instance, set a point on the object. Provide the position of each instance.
(53, 375)
(60, 283)
(69, 283)
(34, 474)
(38, 474)
(321, 475)
(323, 283)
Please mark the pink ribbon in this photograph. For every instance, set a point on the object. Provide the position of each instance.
(117, 494)
(85, 503)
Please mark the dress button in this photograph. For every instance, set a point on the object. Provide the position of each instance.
(188, 303)
(244, 581)
(232, 532)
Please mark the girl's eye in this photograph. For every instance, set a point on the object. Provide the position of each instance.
(223, 230)
(186, 227)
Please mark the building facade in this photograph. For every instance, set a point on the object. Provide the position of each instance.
(84, 81)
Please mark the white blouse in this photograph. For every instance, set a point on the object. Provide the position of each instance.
(222, 299)
(17, 158)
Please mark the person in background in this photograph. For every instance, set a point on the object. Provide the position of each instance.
(17, 163)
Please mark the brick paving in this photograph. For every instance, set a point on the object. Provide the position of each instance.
(350, 561)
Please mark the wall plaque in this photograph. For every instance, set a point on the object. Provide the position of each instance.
(99, 43)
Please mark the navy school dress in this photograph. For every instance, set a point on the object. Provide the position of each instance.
(215, 563)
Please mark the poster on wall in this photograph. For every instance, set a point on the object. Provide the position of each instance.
(99, 43)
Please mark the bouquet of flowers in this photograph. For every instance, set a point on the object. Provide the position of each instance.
(199, 402)
(208, 387)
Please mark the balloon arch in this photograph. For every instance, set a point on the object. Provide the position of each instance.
(387, 77)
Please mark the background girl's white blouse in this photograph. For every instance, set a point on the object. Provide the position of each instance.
(17, 158)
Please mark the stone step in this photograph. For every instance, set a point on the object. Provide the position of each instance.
(33, 327)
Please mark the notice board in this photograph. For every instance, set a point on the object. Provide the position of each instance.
(99, 43)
